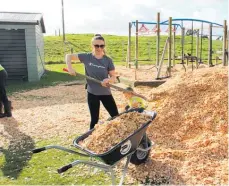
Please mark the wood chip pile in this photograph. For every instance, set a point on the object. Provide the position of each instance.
(110, 133)
(191, 130)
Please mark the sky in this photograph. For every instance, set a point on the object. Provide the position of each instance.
(112, 16)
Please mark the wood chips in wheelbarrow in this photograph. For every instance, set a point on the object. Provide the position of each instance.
(110, 133)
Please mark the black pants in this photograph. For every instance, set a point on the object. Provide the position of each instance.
(94, 106)
(3, 96)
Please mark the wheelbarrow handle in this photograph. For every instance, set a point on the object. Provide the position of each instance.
(113, 86)
(64, 168)
(38, 150)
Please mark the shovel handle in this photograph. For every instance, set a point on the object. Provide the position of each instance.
(113, 86)
(84, 76)
(65, 69)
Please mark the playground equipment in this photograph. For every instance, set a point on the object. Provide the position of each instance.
(174, 26)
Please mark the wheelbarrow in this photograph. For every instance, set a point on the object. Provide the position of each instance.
(135, 148)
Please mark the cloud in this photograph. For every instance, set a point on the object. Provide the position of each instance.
(112, 16)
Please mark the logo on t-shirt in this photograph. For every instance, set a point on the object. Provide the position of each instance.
(91, 64)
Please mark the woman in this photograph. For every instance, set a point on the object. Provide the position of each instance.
(99, 66)
(3, 97)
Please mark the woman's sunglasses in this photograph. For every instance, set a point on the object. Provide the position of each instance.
(101, 46)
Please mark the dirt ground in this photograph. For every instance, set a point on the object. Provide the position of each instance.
(149, 72)
(61, 112)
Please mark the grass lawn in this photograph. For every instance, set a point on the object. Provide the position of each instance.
(19, 167)
(53, 76)
(117, 46)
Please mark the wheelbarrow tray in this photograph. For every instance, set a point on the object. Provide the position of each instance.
(122, 149)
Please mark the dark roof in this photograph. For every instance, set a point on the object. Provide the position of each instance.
(22, 18)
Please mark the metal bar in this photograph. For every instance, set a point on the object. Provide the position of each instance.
(125, 169)
(197, 20)
(112, 177)
(99, 165)
(60, 148)
(153, 23)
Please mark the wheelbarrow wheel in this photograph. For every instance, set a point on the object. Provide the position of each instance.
(139, 156)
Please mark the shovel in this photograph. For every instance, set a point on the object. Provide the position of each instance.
(111, 85)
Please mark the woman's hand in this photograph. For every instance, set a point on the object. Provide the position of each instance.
(105, 82)
(71, 71)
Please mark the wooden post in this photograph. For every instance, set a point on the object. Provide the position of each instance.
(129, 46)
(149, 53)
(192, 40)
(197, 46)
(170, 46)
(227, 45)
(201, 42)
(158, 39)
(210, 46)
(174, 45)
(216, 60)
(123, 50)
(162, 59)
(136, 46)
(63, 24)
(182, 44)
(224, 42)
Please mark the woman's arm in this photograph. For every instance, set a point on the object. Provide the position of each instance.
(68, 60)
(112, 75)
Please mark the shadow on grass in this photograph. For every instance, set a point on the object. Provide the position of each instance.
(17, 154)
(50, 78)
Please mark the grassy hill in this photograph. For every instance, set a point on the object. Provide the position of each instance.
(117, 46)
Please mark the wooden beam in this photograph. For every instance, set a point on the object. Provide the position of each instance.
(210, 46)
(129, 46)
(170, 46)
(158, 39)
(136, 46)
(174, 45)
(224, 42)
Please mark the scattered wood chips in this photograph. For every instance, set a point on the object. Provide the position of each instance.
(190, 130)
(110, 133)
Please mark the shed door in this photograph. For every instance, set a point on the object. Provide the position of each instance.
(13, 53)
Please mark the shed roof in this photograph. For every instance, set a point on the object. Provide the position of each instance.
(22, 18)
